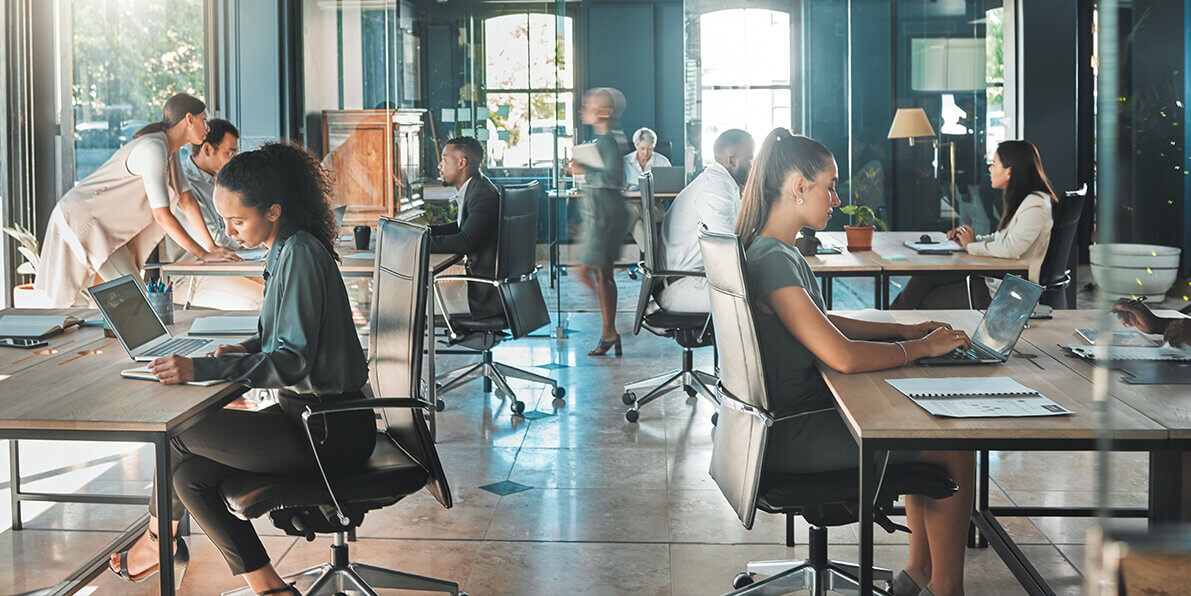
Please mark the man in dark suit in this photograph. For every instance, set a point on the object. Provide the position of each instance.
(474, 233)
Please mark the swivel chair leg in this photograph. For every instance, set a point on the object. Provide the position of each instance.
(816, 573)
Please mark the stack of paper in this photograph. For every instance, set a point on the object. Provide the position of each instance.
(225, 325)
(977, 397)
(1103, 352)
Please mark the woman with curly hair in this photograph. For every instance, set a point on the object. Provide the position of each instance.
(306, 346)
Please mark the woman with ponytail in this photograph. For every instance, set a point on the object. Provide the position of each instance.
(791, 186)
(306, 347)
(109, 223)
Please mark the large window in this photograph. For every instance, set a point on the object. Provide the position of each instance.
(738, 90)
(529, 79)
(129, 56)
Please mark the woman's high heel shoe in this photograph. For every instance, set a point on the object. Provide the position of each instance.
(603, 347)
(289, 589)
(181, 561)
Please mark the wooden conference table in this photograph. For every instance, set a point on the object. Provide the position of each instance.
(881, 419)
(72, 390)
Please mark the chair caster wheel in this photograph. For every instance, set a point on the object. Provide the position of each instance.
(632, 415)
(632, 275)
(440, 405)
(715, 418)
(518, 407)
(628, 398)
(742, 580)
(558, 392)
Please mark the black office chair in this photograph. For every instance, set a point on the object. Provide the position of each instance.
(665, 148)
(404, 460)
(520, 295)
(823, 499)
(690, 330)
(1054, 275)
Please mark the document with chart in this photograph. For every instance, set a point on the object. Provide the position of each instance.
(977, 397)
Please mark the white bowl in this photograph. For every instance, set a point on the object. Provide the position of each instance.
(1129, 270)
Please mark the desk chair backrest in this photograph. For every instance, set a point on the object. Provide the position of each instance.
(397, 333)
(516, 260)
(743, 425)
(1062, 238)
(654, 258)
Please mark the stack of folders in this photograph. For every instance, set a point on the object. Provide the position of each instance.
(977, 397)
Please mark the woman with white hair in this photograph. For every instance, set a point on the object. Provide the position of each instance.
(644, 158)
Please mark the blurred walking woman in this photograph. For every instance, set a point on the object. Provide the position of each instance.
(110, 222)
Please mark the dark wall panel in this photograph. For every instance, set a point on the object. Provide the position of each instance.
(620, 53)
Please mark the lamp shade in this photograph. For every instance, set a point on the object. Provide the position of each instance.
(910, 123)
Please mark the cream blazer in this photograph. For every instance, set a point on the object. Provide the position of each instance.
(104, 212)
(1026, 237)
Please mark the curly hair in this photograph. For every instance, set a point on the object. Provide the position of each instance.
(290, 176)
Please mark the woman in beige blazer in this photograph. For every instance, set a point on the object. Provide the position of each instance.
(110, 222)
(1023, 232)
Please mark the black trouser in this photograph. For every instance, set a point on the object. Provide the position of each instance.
(941, 292)
(271, 441)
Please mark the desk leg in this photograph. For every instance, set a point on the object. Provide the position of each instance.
(877, 291)
(14, 483)
(826, 280)
(976, 538)
(165, 546)
(1169, 490)
(885, 280)
(868, 487)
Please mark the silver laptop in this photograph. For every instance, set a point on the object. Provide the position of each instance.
(668, 180)
(1001, 326)
(139, 329)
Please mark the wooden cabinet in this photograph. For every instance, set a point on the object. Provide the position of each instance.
(376, 157)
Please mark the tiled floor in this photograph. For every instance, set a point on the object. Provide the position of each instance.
(614, 508)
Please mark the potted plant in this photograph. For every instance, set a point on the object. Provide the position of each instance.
(23, 294)
(860, 236)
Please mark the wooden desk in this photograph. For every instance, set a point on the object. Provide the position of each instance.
(890, 244)
(349, 267)
(880, 419)
(78, 394)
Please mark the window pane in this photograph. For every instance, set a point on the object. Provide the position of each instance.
(733, 40)
(506, 52)
(550, 47)
(758, 111)
(128, 58)
(508, 119)
(548, 117)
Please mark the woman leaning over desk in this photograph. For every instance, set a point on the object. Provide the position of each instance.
(1023, 233)
(110, 222)
(792, 185)
(306, 346)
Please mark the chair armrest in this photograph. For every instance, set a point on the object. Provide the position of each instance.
(469, 278)
(670, 273)
(365, 404)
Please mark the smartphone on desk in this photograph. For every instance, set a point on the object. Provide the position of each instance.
(22, 342)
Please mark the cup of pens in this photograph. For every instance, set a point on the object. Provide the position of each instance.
(161, 298)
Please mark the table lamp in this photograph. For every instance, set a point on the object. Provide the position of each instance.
(912, 123)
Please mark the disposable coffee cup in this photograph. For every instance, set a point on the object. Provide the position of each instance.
(163, 304)
(363, 235)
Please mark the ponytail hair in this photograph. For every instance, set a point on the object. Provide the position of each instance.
(175, 110)
(290, 176)
(782, 155)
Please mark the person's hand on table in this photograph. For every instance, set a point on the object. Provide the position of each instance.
(1178, 332)
(229, 349)
(963, 235)
(173, 369)
(945, 340)
(1138, 316)
(221, 254)
(921, 330)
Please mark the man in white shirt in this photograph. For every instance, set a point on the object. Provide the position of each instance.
(712, 199)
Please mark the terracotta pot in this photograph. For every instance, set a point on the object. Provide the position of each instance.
(859, 237)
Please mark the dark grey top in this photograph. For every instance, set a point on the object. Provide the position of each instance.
(791, 375)
(306, 341)
(612, 146)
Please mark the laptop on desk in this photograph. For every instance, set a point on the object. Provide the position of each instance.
(668, 180)
(1001, 326)
(126, 309)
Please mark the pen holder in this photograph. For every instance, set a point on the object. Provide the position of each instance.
(163, 305)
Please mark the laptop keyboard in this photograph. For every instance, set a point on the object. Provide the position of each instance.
(968, 354)
(179, 345)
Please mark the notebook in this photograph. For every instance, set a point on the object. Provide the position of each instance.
(36, 326)
(977, 397)
(1119, 338)
(141, 373)
(588, 155)
(945, 246)
(1101, 352)
(225, 325)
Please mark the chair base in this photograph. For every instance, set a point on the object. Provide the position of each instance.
(341, 575)
(696, 383)
(818, 574)
(495, 373)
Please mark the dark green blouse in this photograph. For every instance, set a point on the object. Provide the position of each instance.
(306, 341)
(791, 372)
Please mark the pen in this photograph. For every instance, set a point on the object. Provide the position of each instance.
(170, 287)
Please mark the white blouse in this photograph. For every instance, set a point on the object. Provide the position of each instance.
(1026, 237)
(633, 169)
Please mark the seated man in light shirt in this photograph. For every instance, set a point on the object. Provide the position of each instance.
(712, 199)
(200, 167)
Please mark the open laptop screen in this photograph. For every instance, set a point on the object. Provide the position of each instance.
(128, 311)
(1007, 315)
